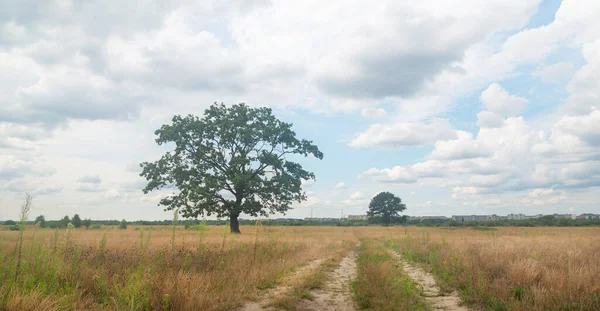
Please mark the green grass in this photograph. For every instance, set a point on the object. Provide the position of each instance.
(381, 284)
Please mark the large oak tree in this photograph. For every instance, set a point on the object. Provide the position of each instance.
(233, 160)
(385, 208)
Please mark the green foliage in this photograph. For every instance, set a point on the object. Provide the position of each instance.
(96, 226)
(199, 227)
(102, 247)
(240, 150)
(76, 221)
(384, 208)
(165, 302)
(545, 221)
(41, 220)
(86, 223)
(123, 224)
(64, 222)
(9, 223)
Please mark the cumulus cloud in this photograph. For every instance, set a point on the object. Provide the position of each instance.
(556, 73)
(66, 65)
(463, 147)
(540, 192)
(401, 135)
(89, 187)
(409, 47)
(371, 112)
(340, 185)
(308, 183)
(12, 167)
(511, 157)
(406, 174)
(585, 127)
(489, 119)
(90, 179)
(357, 195)
(497, 100)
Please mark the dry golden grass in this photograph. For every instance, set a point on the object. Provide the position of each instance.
(503, 269)
(210, 270)
(511, 268)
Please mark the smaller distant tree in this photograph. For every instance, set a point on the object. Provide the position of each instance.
(41, 220)
(64, 222)
(385, 208)
(86, 223)
(123, 224)
(10, 223)
(76, 221)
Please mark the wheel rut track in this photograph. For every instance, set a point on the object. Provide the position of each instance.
(274, 292)
(430, 291)
(335, 294)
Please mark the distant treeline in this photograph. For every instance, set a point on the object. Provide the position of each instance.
(545, 221)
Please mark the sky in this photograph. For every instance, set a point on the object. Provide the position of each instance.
(490, 107)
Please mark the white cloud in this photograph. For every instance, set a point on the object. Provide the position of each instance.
(90, 179)
(84, 87)
(492, 201)
(512, 157)
(585, 127)
(556, 73)
(113, 194)
(406, 174)
(397, 174)
(357, 195)
(540, 192)
(308, 183)
(463, 147)
(86, 187)
(13, 167)
(340, 185)
(498, 100)
(401, 135)
(371, 112)
(489, 119)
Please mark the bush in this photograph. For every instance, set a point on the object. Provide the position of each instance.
(96, 226)
(123, 224)
(9, 223)
(86, 223)
(199, 227)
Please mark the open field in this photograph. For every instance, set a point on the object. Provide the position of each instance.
(159, 268)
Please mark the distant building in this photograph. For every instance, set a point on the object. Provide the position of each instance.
(357, 217)
(323, 219)
(589, 216)
(478, 218)
(522, 216)
(516, 216)
(421, 218)
(569, 216)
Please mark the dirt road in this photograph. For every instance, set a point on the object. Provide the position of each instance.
(431, 292)
(274, 292)
(336, 294)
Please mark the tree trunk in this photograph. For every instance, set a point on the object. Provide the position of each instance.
(234, 224)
